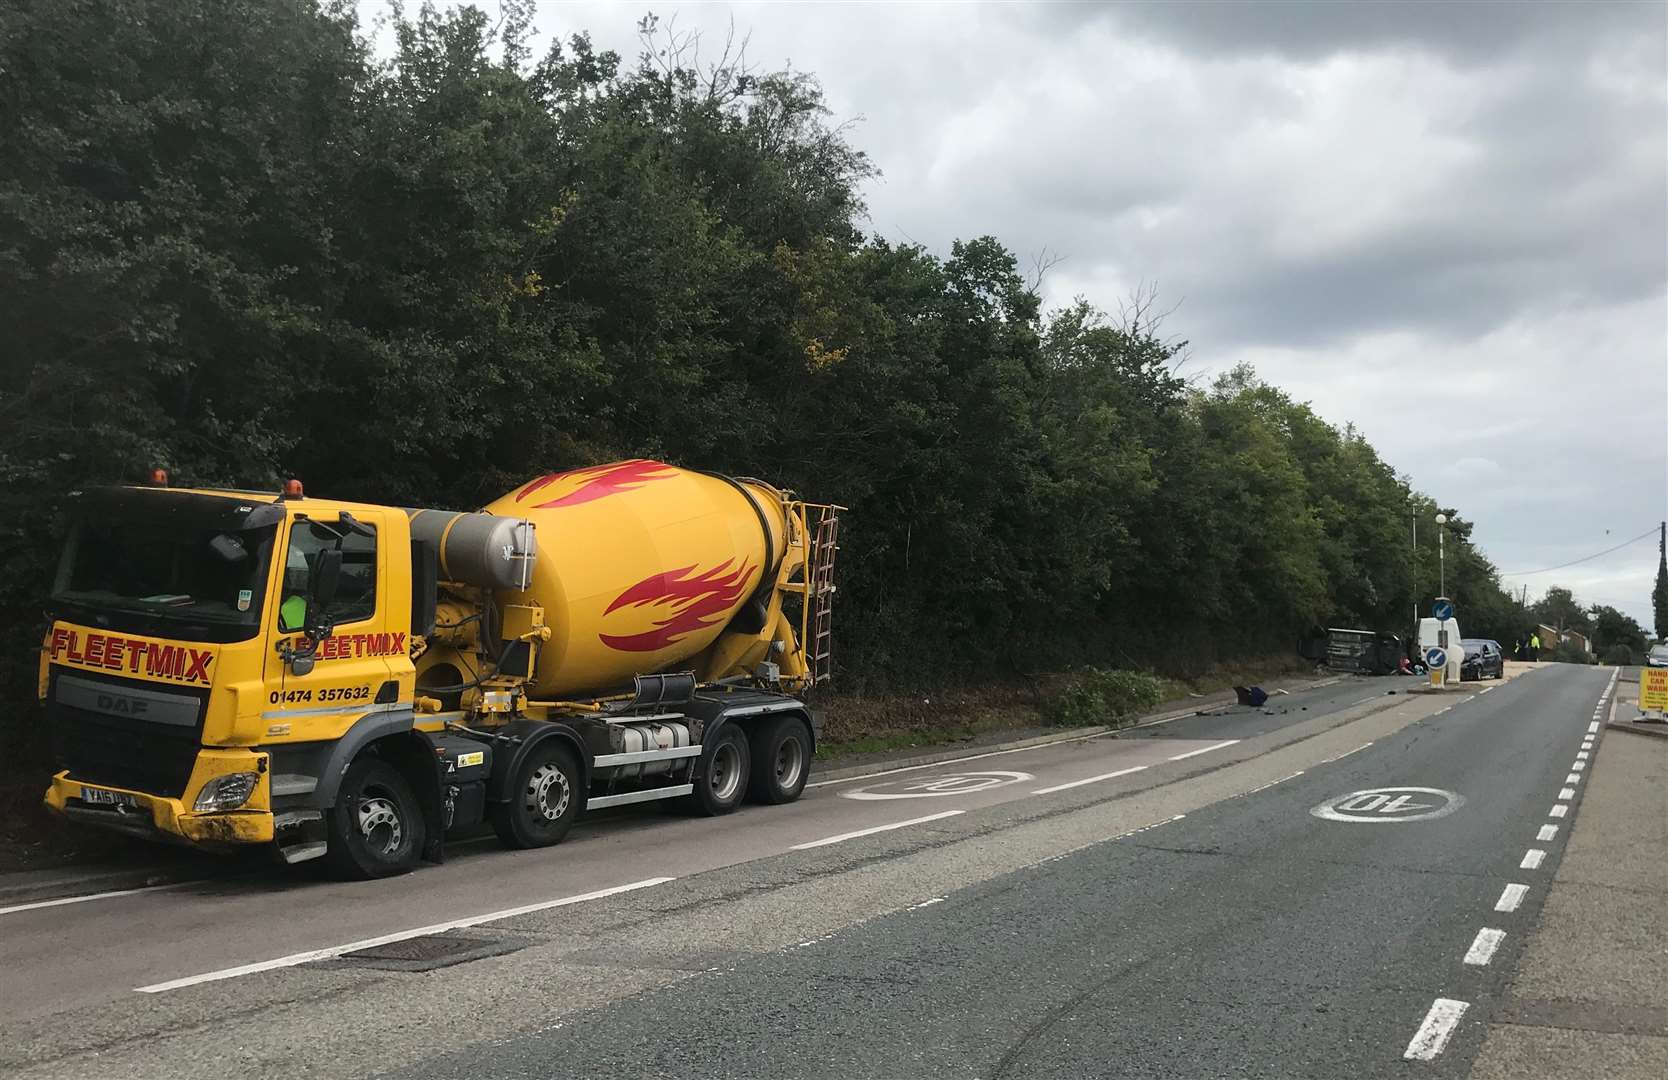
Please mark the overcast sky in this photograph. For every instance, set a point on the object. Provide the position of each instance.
(1445, 223)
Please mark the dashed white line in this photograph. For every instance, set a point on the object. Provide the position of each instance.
(1204, 750)
(1573, 778)
(1483, 946)
(1438, 1027)
(1271, 783)
(34, 904)
(1566, 793)
(1581, 756)
(1558, 810)
(1548, 832)
(926, 903)
(825, 841)
(1578, 766)
(1345, 754)
(1090, 780)
(422, 931)
(1532, 859)
(1594, 726)
(1511, 897)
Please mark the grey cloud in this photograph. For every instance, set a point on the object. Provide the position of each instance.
(1309, 29)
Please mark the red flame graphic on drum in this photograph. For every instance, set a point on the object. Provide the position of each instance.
(693, 602)
(598, 482)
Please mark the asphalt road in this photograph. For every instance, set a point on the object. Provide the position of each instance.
(1162, 905)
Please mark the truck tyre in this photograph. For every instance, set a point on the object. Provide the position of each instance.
(545, 799)
(376, 828)
(721, 778)
(781, 760)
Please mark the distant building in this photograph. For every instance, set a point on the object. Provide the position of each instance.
(1551, 638)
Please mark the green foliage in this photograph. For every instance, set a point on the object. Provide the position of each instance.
(1097, 696)
(1560, 610)
(1613, 630)
(235, 243)
(1620, 656)
(1659, 595)
(1569, 654)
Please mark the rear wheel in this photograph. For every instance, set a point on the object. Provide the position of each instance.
(781, 760)
(376, 827)
(721, 778)
(545, 799)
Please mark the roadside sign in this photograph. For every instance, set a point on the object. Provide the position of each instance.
(1653, 689)
(1436, 656)
(1443, 609)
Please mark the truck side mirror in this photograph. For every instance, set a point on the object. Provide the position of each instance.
(321, 587)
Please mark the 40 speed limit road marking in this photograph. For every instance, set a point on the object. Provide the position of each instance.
(1378, 806)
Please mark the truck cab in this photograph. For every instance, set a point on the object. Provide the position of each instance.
(170, 673)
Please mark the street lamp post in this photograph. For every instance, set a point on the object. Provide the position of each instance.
(1441, 554)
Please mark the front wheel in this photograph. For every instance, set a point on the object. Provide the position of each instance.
(545, 798)
(781, 760)
(376, 828)
(721, 778)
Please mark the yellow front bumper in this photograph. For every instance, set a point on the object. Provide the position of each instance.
(164, 818)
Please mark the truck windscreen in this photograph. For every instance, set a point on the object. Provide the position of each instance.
(170, 570)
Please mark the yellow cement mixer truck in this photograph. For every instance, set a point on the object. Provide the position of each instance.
(356, 681)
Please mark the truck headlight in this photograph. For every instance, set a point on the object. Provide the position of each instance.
(226, 792)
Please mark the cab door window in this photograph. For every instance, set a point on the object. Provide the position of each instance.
(355, 587)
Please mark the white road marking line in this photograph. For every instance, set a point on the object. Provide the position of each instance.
(1483, 946)
(1594, 726)
(926, 903)
(1439, 712)
(1578, 766)
(1345, 754)
(959, 760)
(1532, 859)
(1110, 839)
(1586, 744)
(1558, 810)
(1485, 689)
(1511, 897)
(34, 904)
(1581, 756)
(370, 943)
(1573, 778)
(1438, 1027)
(1204, 750)
(1566, 793)
(1548, 832)
(1090, 780)
(825, 841)
(1271, 783)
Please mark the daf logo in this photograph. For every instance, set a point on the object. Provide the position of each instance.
(125, 706)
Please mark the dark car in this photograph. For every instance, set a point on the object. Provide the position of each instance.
(1483, 659)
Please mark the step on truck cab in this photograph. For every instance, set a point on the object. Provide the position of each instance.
(357, 681)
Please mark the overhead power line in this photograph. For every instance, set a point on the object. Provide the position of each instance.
(1597, 555)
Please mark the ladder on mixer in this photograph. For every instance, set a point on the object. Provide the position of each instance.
(824, 547)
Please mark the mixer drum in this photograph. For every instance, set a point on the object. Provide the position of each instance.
(640, 566)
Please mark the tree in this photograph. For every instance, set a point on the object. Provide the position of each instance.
(1612, 628)
(1659, 595)
(1560, 610)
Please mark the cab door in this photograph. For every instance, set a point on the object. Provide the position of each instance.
(351, 673)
